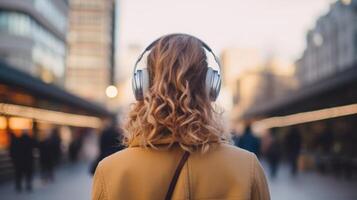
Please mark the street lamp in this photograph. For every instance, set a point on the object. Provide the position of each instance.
(111, 91)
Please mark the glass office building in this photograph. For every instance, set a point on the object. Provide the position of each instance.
(32, 37)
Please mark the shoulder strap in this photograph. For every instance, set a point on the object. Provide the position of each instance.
(176, 175)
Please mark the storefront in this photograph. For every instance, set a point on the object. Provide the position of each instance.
(29, 105)
(325, 114)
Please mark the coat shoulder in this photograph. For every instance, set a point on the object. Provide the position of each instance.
(235, 152)
(118, 157)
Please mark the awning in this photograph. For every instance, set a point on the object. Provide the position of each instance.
(56, 99)
(337, 90)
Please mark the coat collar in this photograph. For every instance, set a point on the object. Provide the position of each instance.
(138, 142)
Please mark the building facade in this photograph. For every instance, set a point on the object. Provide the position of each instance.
(32, 37)
(251, 80)
(90, 48)
(235, 62)
(331, 47)
(32, 73)
(259, 86)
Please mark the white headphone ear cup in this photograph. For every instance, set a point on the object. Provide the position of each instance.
(140, 83)
(208, 82)
(213, 83)
(145, 81)
(133, 85)
(136, 85)
(219, 85)
(216, 86)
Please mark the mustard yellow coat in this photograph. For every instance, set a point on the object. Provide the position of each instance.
(224, 172)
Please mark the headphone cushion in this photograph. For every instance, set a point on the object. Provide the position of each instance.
(209, 81)
(136, 85)
(140, 83)
(145, 81)
(213, 83)
(216, 86)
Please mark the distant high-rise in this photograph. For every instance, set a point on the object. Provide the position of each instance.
(235, 61)
(90, 47)
(33, 37)
(252, 80)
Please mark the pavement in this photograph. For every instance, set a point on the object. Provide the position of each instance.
(74, 182)
(310, 186)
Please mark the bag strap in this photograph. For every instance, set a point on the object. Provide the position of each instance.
(182, 162)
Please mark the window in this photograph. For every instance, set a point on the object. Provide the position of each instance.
(48, 51)
(15, 23)
(50, 12)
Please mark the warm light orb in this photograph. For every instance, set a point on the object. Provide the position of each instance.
(111, 91)
(346, 2)
(318, 39)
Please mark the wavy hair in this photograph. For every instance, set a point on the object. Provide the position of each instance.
(176, 107)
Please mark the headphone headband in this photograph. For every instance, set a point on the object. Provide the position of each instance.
(140, 80)
(152, 44)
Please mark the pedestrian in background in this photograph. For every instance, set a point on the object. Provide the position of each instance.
(55, 144)
(21, 152)
(76, 144)
(46, 160)
(293, 147)
(273, 153)
(249, 141)
(110, 141)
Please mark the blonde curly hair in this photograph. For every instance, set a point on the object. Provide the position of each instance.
(176, 107)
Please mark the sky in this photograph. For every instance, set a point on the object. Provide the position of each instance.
(272, 26)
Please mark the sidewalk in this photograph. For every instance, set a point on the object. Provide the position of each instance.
(71, 182)
(310, 186)
(74, 182)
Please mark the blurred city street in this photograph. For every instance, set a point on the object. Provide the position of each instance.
(74, 182)
(70, 70)
(308, 186)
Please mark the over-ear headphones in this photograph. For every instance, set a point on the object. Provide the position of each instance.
(141, 79)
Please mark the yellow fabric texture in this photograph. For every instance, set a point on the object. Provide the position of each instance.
(224, 172)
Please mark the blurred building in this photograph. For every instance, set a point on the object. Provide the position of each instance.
(28, 104)
(32, 75)
(260, 85)
(236, 61)
(323, 109)
(32, 37)
(331, 46)
(90, 59)
(251, 79)
(126, 62)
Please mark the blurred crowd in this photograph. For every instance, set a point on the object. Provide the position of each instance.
(325, 152)
(31, 152)
(110, 141)
(22, 154)
(331, 154)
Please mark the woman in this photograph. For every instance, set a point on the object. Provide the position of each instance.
(176, 146)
